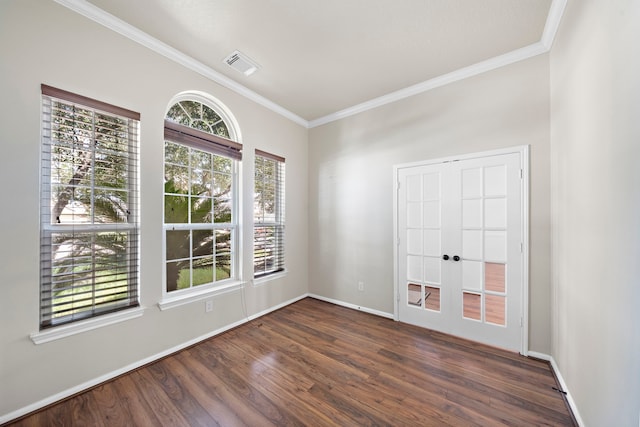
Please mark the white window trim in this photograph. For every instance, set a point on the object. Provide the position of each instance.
(269, 277)
(78, 327)
(170, 301)
(220, 109)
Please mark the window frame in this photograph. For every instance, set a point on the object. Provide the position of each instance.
(278, 224)
(218, 146)
(96, 312)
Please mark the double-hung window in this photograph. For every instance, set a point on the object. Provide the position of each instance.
(89, 208)
(268, 214)
(200, 199)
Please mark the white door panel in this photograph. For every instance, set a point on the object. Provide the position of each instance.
(421, 263)
(460, 230)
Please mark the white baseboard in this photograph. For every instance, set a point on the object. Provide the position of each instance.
(103, 378)
(277, 307)
(563, 384)
(541, 356)
(353, 306)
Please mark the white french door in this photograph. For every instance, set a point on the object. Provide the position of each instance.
(460, 236)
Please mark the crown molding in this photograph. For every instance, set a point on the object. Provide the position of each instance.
(98, 15)
(553, 22)
(445, 79)
(543, 46)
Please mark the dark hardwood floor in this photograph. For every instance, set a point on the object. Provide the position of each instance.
(317, 364)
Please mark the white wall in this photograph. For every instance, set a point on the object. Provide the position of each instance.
(351, 176)
(42, 42)
(595, 140)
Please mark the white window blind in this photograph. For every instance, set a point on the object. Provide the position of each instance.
(268, 214)
(89, 208)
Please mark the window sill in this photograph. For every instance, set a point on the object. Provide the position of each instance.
(268, 278)
(172, 301)
(64, 331)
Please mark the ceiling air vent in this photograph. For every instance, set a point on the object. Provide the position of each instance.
(241, 62)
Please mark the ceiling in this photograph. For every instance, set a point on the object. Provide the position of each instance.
(320, 57)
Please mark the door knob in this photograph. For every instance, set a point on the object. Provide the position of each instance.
(445, 257)
(456, 258)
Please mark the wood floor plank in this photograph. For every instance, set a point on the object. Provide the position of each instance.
(236, 380)
(153, 393)
(433, 387)
(326, 373)
(367, 362)
(189, 377)
(114, 410)
(179, 394)
(318, 364)
(507, 377)
(291, 384)
(84, 410)
(217, 389)
(275, 385)
(138, 409)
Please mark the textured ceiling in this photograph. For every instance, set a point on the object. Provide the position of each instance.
(319, 57)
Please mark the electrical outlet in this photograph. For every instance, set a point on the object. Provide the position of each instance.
(208, 306)
(361, 286)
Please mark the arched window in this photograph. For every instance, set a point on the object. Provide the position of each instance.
(197, 115)
(200, 194)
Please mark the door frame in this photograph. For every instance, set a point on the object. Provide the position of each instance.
(523, 150)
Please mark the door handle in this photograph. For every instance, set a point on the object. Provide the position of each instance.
(445, 257)
(456, 258)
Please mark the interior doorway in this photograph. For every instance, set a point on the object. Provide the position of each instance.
(461, 246)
